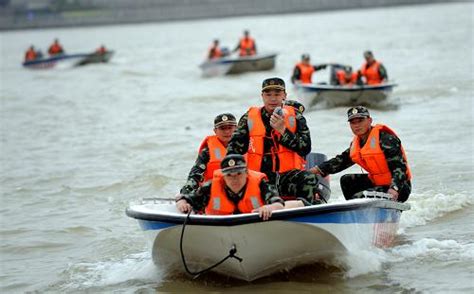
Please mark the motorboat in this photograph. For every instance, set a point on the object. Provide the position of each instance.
(331, 95)
(245, 247)
(68, 60)
(230, 65)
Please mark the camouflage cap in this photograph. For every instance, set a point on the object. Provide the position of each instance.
(273, 83)
(225, 119)
(233, 163)
(356, 112)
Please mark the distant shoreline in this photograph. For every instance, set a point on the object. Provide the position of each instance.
(11, 19)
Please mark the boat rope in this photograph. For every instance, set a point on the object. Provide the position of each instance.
(232, 252)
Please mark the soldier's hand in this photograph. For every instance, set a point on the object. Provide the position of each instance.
(265, 212)
(183, 206)
(393, 193)
(277, 122)
(315, 170)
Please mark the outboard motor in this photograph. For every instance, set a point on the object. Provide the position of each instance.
(324, 189)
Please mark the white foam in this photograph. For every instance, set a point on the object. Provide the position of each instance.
(432, 249)
(430, 205)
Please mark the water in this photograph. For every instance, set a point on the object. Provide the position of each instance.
(78, 145)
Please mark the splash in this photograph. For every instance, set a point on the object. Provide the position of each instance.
(361, 262)
(432, 249)
(136, 268)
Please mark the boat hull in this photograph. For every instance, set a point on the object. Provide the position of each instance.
(293, 237)
(96, 58)
(233, 65)
(333, 96)
(68, 60)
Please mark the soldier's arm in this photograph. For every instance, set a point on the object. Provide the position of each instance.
(300, 142)
(239, 144)
(383, 72)
(296, 74)
(196, 174)
(200, 197)
(270, 193)
(336, 164)
(397, 165)
(319, 66)
(236, 47)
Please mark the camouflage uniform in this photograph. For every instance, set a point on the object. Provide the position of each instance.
(200, 198)
(299, 183)
(196, 174)
(354, 183)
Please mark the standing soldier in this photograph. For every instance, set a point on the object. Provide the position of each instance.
(247, 45)
(379, 151)
(55, 48)
(303, 71)
(276, 139)
(372, 70)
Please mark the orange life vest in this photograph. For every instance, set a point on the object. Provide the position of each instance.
(371, 73)
(288, 159)
(217, 152)
(55, 49)
(214, 52)
(220, 204)
(247, 47)
(306, 72)
(372, 159)
(101, 50)
(30, 55)
(341, 77)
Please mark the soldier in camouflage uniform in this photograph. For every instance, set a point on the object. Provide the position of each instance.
(224, 126)
(296, 182)
(398, 183)
(236, 177)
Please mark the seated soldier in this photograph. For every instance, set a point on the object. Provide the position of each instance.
(234, 189)
(211, 152)
(346, 77)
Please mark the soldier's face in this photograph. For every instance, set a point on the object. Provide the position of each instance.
(224, 133)
(236, 181)
(272, 99)
(360, 126)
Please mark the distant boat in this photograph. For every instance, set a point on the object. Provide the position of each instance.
(236, 65)
(332, 95)
(68, 60)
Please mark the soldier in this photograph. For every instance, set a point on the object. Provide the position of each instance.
(379, 151)
(303, 71)
(372, 70)
(211, 152)
(276, 140)
(234, 189)
(246, 45)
